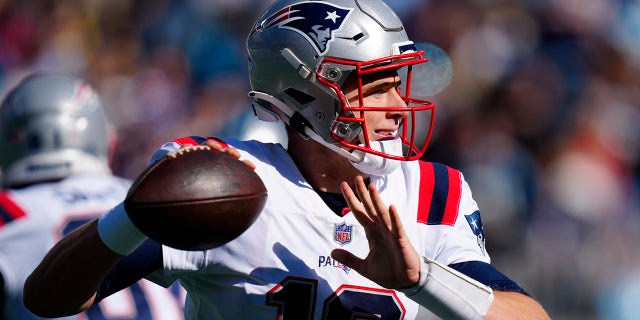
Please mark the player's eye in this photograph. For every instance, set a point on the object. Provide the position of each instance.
(377, 92)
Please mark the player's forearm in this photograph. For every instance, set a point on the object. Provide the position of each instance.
(66, 280)
(513, 305)
(451, 294)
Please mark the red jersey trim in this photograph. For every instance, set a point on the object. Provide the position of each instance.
(9, 210)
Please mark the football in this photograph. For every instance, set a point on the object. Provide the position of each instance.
(195, 199)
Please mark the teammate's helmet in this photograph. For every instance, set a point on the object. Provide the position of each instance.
(51, 126)
(300, 54)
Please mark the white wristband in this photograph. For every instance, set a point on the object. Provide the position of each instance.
(448, 293)
(118, 232)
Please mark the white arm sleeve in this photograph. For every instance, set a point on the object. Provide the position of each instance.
(449, 293)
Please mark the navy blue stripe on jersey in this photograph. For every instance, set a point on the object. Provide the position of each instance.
(488, 275)
(5, 218)
(145, 260)
(440, 193)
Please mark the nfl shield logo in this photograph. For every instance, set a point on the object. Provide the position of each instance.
(342, 233)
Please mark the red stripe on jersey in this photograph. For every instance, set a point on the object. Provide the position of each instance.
(196, 141)
(9, 210)
(186, 140)
(427, 183)
(453, 198)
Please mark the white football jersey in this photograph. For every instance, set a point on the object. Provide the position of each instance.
(34, 218)
(281, 267)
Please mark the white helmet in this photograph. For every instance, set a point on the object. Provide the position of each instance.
(300, 54)
(51, 126)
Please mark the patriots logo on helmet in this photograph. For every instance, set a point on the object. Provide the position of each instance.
(315, 20)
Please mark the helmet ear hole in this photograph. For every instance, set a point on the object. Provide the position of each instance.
(358, 36)
(299, 96)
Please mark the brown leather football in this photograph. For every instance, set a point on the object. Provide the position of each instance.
(195, 199)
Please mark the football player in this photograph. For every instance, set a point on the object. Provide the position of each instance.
(54, 153)
(355, 225)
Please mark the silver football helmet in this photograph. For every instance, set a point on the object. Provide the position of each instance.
(300, 54)
(51, 126)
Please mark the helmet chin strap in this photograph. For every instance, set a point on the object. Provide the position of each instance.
(376, 165)
(365, 162)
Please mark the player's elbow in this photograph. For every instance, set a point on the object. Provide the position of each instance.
(44, 302)
(34, 299)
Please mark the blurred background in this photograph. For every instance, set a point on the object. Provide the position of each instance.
(542, 115)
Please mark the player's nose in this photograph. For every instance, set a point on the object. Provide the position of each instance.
(400, 109)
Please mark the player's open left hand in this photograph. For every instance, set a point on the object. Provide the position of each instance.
(392, 261)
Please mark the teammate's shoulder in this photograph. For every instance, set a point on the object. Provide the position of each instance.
(10, 211)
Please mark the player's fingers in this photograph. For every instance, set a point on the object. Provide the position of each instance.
(216, 145)
(236, 154)
(355, 205)
(249, 164)
(396, 223)
(232, 151)
(379, 206)
(347, 258)
(365, 198)
(213, 144)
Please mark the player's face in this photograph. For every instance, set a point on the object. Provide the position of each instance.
(379, 91)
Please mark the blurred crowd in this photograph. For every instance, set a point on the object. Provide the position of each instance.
(541, 115)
